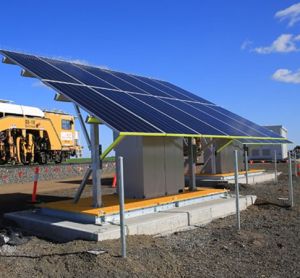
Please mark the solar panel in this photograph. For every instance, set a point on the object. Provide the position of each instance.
(111, 113)
(81, 75)
(266, 132)
(40, 68)
(189, 95)
(224, 124)
(133, 104)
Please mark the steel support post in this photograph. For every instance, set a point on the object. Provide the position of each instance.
(122, 206)
(291, 193)
(213, 159)
(83, 126)
(295, 164)
(192, 165)
(237, 190)
(275, 168)
(82, 185)
(96, 171)
(246, 167)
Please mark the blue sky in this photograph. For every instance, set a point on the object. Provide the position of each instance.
(243, 55)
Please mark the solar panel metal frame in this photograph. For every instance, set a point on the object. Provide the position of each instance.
(263, 142)
(46, 82)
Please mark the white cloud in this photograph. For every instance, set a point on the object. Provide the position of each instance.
(79, 61)
(103, 67)
(283, 44)
(287, 76)
(291, 14)
(246, 44)
(85, 63)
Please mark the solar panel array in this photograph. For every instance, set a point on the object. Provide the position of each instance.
(134, 104)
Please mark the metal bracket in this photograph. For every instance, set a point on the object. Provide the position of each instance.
(224, 146)
(93, 120)
(6, 60)
(26, 73)
(112, 146)
(82, 185)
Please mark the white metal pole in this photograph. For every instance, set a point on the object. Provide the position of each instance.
(237, 190)
(121, 201)
(291, 193)
(96, 171)
(275, 168)
(295, 164)
(83, 127)
(213, 159)
(247, 167)
(192, 166)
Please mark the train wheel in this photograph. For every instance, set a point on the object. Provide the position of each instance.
(22, 157)
(42, 158)
(24, 161)
(58, 158)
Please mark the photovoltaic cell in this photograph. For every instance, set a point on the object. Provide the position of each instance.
(196, 124)
(237, 118)
(223, 125)
(184, 92)
(79, 74)
(147, 112)
(143, 87)
(254, 130)
(39, 67)
(109, 112)
(111, 79)
(158, 87)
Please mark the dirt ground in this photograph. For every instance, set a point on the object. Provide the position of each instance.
(267, 246)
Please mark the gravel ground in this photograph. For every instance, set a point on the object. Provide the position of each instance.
(267, 246)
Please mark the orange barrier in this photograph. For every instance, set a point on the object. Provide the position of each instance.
(35, 183)
(114, 185)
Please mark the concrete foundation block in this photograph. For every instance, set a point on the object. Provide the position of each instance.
(163, 222)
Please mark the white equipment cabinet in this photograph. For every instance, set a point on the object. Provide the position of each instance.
(153, 166)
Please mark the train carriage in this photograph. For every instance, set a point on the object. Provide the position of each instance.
(29, 135)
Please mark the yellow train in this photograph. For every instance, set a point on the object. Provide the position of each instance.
(29, 135)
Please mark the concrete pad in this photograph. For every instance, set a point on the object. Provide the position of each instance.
(152, 224)
(257, 178)
(253, 178)
(83, 212)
